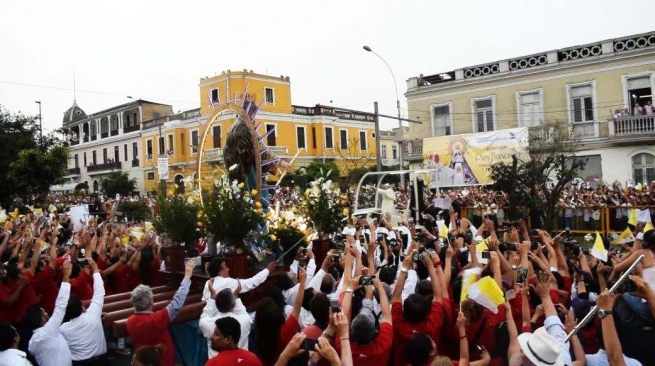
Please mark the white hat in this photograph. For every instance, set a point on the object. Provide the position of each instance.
(541, 348)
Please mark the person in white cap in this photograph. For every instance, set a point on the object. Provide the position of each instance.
(547, 346)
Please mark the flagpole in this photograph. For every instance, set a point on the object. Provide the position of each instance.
(594, 310)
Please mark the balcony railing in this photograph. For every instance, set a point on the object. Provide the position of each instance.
(413, 150)
(105, 166)
(131, 128)
(278, 150)
(135, 163)
(74, 171)
(631, 126)
(114, 132)
(214, 154)
(94, 137)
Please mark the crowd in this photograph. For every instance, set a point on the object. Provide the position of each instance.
(390, 291)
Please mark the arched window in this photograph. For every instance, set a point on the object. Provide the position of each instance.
(93, 130)
(643, 168)
(104, 127)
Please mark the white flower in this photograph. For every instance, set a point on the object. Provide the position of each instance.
(233, 167)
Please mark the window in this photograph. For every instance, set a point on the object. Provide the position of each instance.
(270, 138)
(171, 149)
(643, 168)
(270, 95)
(93, 130)
(77, 164)
(216, 134)
(149, 149)
(114, 122)
(104, 155)
(394, 151)
(362, 141)
(125, 152)
(313, 137)
(117, 154)
(214, 96)
(104, 126)
(441, 121)
(135, 151)
(94, 161)
(582, 104)
(85, 159)
(194, 141)
(343, 139)
(151, 175)
(182, 143)
(329, 139)
(300, 138)
(529, 109)
(383, 152)
(484, 115)
(162, 148)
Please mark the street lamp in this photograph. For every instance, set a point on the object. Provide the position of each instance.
(40, 123)
(400, 123)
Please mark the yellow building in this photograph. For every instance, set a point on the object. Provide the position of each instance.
(302, 134)
(580, 87)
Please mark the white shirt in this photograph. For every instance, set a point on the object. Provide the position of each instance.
(311, 282)
(48, 345)
(13, 357)
(221, 283)
(600, 359)
(84, 334)
(207, 325)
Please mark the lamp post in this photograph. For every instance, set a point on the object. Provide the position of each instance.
(400, 123)
(40, 125)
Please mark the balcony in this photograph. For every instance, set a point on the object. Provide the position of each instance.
(94, 137)
(74, 171)
(617, 131)
(413, 150)
(131, 128)
(278, 150)
(631, 127)
(212, 155)
(135, 163)
(114, 132)
(105, 166)
(104, 135)
(86, 139)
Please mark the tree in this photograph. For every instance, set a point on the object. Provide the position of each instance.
(118, 183)
(27, 166)
(134, 211)
(538, 181)
(353, 161)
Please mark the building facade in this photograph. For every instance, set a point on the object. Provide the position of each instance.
(106, 141)
(601, 92)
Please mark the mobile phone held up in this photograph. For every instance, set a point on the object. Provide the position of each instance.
(334, 304)
(521, 275)
(308, 344)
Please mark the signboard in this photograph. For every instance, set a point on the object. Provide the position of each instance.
(162, 168)
(79, 216)
(463, 160)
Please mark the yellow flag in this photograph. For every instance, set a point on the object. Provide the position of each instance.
(443, 231)
(632, 217)
(487, 293)
(468, 278)
(38, 212)
(649, 226)
(125, 240)
(14, 215)
(138, 234)
(598, 250)
(148, 225)
(625, 237)
(3, 216)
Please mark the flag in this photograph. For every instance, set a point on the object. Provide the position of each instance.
(443, 231)
(598, 250)
(643, 215)
(632, 217)
(137, 234)
(38, 212)
(487, 293)
(468, 278)
(479, 248)
(14, 215)
(148, 225)
(3, 216)
(649, 226)
(625, 237)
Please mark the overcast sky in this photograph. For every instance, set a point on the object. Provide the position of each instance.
(158, 50)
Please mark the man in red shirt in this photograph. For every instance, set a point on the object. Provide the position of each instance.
(370, 347)
(417, 315)
(148, 328)
(225, 340)
(16, 294)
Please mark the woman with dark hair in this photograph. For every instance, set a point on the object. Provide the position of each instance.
(272, 332)
(148, 355)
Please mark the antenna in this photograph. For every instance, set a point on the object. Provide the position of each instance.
(74, 96)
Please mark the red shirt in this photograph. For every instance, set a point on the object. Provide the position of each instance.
(403, 330)
(374, 354)
(45, 285)
(312, 332)
(236, 356)
(150, 329)
(133, 278)
(81, 286)
(27, 298)
(120, 278)
(290, 328)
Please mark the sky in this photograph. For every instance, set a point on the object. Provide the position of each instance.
(158, 50)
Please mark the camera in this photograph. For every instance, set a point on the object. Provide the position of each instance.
(334, 304)
(82, 261)
(336, 258)
(521, 276)
(309, 344)
(507, 246)
(339, 237)
(379, 238)
(393, 242)
(575, 247)
(486, 254)
(366, 280)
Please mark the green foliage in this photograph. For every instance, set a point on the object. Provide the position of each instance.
(177, 218)
(231, 214)
(324, 205)
(118, 183)
(134, 211)
(22, 170)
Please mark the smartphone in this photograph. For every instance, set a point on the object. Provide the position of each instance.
(486, 254)
(521, 276)
(308, 344)
(334, 304)
(366, 280)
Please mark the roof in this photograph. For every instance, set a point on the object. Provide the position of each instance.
(73, 114)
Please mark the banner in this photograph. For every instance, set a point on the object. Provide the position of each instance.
(463, 160)
(79, 216)
(162, 168)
